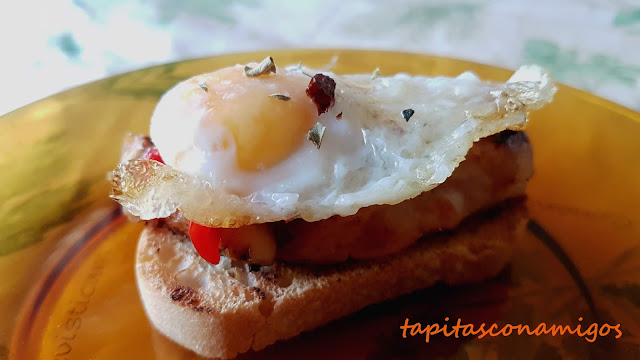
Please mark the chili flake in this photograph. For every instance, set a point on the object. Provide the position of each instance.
(322, 91)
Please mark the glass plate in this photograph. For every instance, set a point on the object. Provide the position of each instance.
(67, 288)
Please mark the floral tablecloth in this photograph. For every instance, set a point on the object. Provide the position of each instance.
(48, 46)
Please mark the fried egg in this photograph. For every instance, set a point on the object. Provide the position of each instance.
(237, 152)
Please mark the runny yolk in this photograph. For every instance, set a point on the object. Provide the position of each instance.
(265, 129)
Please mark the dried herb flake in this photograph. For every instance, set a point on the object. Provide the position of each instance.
(375, 73)
(316, 134)
(203, 86)
(407, 114)
(282, 97)
(266, 66)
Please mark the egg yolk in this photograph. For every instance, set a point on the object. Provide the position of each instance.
(265, 129)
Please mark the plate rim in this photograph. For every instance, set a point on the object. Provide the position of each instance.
(587, 96)
(574, 93)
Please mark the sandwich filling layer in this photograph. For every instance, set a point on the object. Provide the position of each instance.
(496, 169)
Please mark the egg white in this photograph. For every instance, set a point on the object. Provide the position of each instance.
(372, 155)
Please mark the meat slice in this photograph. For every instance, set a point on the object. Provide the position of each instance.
(497, 168)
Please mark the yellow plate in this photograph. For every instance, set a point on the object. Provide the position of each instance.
(579, 265)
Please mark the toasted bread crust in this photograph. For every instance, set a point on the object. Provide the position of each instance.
(223, 310)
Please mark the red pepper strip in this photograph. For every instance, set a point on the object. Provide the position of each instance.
(154, 154)
(206, 240)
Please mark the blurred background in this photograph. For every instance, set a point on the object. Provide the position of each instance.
(51, 45)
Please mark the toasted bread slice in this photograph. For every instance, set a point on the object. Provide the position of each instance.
(222, 310)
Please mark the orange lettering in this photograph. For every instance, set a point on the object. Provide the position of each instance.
(405, 327)
(578, 328)
(590, 334)
(485, 332)
(522, 328)
(429, 332)
(555, 329)
(417, 329)
(617, 327)
(476, 332)
(493, 327)
(503, 330)
(457, 327)
(592, 330)
(444, 331)
(541, 329)
(468, 327)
